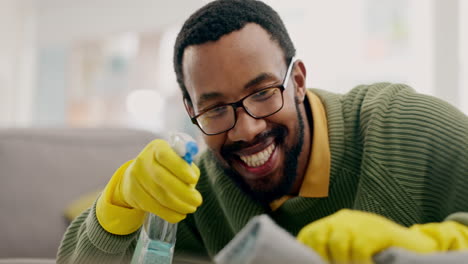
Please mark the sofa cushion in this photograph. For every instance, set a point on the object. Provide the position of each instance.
(43, 170)
(79, 205)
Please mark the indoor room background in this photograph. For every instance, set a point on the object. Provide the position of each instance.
(108, 63)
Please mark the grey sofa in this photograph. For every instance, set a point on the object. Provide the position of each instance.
(43, 170)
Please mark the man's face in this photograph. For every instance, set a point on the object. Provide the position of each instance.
(262, 155)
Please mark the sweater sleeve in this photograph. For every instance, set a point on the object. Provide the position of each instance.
(460, 217)
(85, 241)
(417, 146)
(189, 241)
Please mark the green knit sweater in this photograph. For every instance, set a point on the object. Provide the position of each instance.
(394, 152)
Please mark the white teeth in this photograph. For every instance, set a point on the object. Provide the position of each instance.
(258, 158)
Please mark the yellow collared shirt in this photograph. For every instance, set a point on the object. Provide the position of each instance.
(317, 177)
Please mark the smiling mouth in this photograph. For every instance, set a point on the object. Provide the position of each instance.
(260, 158)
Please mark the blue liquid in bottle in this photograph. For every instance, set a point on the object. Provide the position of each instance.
(156, 242)
(159, 252)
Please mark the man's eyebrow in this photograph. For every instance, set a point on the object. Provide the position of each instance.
(255, 81)
(206, 97)
(259, 79)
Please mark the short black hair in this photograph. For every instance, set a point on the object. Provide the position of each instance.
(222, 17)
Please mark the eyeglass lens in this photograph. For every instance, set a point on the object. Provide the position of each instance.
(260, 104)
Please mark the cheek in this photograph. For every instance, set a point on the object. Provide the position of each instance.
(287, 116)
(215, 142)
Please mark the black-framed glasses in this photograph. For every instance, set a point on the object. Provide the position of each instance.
(260, 104)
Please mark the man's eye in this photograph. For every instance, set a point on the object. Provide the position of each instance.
(217, 112)
(263, 95)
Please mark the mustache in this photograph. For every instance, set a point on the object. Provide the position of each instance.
(278, 132)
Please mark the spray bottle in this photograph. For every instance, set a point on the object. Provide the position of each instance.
(157, 236)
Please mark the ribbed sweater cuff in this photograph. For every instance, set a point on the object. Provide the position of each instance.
(460, 217)
(105, 241)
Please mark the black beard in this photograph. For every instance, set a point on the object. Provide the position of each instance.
(269, 193)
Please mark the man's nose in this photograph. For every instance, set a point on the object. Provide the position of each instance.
(247, 127)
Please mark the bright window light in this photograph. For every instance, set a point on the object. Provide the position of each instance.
(145, 105)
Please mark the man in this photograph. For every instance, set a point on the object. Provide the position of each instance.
(298, 155)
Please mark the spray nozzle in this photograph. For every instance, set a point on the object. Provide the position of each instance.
(184, 145)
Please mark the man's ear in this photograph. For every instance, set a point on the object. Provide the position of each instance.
(189, 107)
(299, 80)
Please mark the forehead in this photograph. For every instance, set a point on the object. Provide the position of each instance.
(226, 65)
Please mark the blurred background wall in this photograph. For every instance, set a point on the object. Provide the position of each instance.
(101, 63)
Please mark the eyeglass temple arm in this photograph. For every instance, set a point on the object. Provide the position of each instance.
(288, 72)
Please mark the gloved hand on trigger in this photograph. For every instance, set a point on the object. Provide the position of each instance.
(355, 236)
(157, 181)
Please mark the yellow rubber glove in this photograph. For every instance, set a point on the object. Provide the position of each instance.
(157, 181)
(355, 236)
(449, 235)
